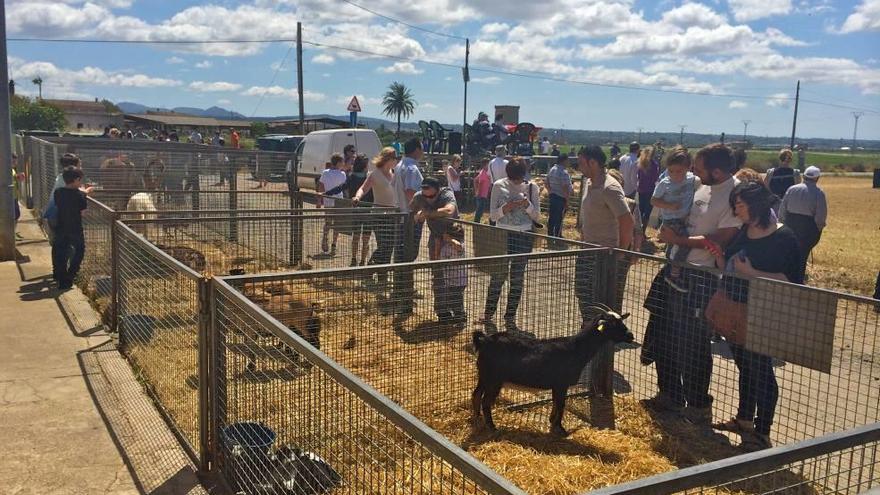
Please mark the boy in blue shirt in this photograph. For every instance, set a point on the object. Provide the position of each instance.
(674, 195)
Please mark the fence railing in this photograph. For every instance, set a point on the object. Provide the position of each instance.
(844, 462)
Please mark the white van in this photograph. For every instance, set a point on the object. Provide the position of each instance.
(314, 151)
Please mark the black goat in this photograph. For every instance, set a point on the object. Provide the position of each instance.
(554, 364)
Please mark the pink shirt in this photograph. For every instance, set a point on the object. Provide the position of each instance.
(483, 184)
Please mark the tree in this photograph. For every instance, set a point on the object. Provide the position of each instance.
(398, 101)
(39, 82)
(110, 107)
(35, 115)
(259, 129)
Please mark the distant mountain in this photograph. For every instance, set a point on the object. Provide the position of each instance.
(215, 112)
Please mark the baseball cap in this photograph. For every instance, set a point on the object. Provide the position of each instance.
(812, 172)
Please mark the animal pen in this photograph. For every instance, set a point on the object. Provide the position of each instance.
(342, 395)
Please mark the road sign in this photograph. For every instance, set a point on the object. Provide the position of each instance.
(354, 105)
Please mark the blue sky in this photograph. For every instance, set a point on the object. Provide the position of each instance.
(748, 54)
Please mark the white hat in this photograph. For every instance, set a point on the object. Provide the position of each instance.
(812, 172)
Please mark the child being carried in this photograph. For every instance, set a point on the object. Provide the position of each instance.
(674, 195)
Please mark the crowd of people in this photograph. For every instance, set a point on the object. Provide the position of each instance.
(712, 213)
(195, 136)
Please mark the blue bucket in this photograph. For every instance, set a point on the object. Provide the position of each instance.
(138, 328)
(248, 437)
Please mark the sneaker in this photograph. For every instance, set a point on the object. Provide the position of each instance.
(735, 425)
(676, 284)
(700, 416)
(662, 403)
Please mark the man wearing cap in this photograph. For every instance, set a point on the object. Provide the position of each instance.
(629, 167)
(434, 205)
(560, 189)
(805, 211)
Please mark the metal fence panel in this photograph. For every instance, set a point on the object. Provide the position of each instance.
(158, 315)
(303, 425)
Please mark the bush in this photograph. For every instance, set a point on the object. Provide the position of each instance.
(29, 115)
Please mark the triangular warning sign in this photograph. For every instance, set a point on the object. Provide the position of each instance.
(354, 105)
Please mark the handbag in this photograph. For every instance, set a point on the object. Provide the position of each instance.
(727, 317)
(537, 227)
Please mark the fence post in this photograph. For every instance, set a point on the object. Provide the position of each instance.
(580, 201)
(216, 381)
(409, 238)
(114, 275)
(205, 350)
(233, 201)
(296, 227)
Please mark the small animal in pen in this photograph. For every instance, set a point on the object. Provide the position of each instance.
(296, 312)
(548, 364)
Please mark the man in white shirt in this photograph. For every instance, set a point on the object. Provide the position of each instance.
(629, 167)
(498, 165)
(685, 370)
(331, 178)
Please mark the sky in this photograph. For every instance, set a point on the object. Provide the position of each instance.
(707, 65)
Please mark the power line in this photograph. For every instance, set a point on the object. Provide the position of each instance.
(838, 99)
(413, 26)
(274, 76)
(526, 74)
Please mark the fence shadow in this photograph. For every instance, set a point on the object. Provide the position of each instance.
(151, 453)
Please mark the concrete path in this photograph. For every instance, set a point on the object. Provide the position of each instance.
(73, 419)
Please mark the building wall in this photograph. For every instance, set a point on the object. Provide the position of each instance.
(92, 121)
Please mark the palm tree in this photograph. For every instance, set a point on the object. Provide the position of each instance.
(398, 101)
(39, 82)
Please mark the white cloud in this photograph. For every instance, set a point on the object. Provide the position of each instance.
(778, 100)
(174, 60)
(67, 83)
(486, 80)
(400, 68)
(865, 17)
(218, 86)
(323, 58)
(693, 14)
(429, 106)
(493, 29)
(737, 104)
(750, 10)
(280, 92)
(224, 101)
(204, 64)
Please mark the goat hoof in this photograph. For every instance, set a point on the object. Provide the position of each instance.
(558, 431)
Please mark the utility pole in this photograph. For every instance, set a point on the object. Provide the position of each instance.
(681, 134)
(797, 97)
(639, 139)
(7, 199)
(465, 73)
(299, 78)
(856, 116)
(746, 130)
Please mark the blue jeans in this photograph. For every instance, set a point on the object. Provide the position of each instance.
(482, 207)
(645, 208)
(758, 390)
(517, 243)
(68, 250)
(557, 213)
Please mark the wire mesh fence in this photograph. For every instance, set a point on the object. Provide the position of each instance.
(845, 462)
(95, 276)
(159, 315)
(328, 238)
(805, 366)
(304, 425)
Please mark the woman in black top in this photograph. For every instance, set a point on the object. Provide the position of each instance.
(761, 249)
